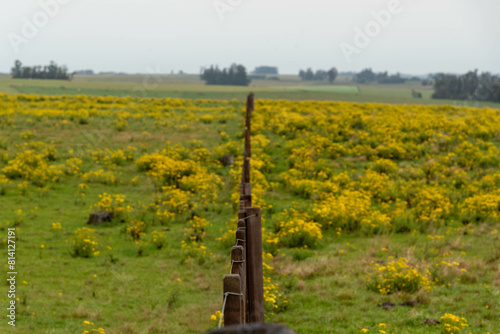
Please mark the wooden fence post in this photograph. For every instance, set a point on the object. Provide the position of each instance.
(232, 307)
(246, 188)
(255, 278)
(241, 240)
(237, 268)
(250, 109)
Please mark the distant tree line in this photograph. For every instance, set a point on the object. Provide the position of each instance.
(266, 70)
(427, 82)
(319, 75)
(51, 71)
(84, 72)
(368, 76)
(235, 75)
(469, 86)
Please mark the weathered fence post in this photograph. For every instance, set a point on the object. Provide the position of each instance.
(246, 187)
(254, 266)
(232, 298)
(244, 287)
(241, 240)
(237, 268)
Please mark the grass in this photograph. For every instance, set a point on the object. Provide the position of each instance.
(190, 87)
(129, 290)
(329, 89)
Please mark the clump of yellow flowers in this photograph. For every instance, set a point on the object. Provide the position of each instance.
(397, 276)
(136, 229)
(453, 324)
(159, 239)
(89, 328)
(296, 229)
(85, 242)
(114, 204)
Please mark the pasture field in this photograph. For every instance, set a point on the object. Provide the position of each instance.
(191, 87)
(378, 218)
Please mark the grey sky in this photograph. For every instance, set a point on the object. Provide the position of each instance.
(132, 35)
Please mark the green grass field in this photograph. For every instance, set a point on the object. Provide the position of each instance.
(190, 87)
(304, 154)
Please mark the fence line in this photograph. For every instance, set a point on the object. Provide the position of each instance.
(243, 299)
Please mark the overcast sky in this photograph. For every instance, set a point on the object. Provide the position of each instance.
(419, 37)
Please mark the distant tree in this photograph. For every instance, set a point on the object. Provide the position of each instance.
(495, 95)
(236, 75)
(332, 75)
(469, 86)
(266, 70)
(309, 74)
(241, 77)
(365, 76)
(302, 74)
(384, 78)
(319, 75)
(17, 70)
(52, 71)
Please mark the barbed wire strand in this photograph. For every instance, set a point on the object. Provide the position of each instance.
(243, 219)
(224, 305)
(233, 262)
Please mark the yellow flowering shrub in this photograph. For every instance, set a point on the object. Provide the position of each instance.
(73, 166)
(114, 204)
(159, 239)
(452, 324)
(397, 276)
(384, 166)
(101, 176)
(345, 211)
(376, 222)
(110, 158)
(207, 119)
(164, 169)
(205, 186)
(379, 186)
(274, 300)
(85, 243)
(164, 216)
(197, 229)
(174, 200)
(136, 229)
(392, 151)
(34, 167)
(482, 207)
(295, 232)
(308, 188)
(431, 205)
(195, 250)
